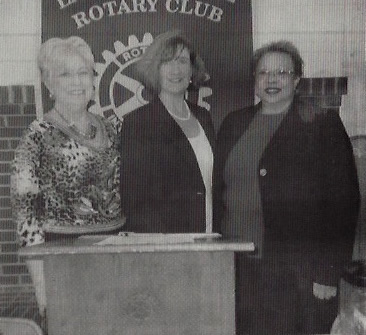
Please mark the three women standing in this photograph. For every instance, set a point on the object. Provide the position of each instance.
(284, 175)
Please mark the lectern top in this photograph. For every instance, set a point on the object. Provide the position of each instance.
(93, 245)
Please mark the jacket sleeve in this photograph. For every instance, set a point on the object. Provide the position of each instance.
(228, 134)
(138, 171)
(341, 198)
(218, 180)
(25, 190)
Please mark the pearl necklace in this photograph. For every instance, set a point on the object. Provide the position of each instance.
(179, 117)
(89, 135)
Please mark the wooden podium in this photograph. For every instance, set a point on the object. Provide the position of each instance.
(139, 289)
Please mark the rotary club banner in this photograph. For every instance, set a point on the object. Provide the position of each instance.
(119, 32)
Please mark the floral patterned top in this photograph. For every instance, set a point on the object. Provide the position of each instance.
(60, 185)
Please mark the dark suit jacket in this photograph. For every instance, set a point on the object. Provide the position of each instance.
(161, 184)
(309, 190)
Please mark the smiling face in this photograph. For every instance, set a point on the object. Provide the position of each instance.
(275, 82)
(71, 81)
(176, 74)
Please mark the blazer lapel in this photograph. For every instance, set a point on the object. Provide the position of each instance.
(167, 128)
(173, 135)
(206, 123)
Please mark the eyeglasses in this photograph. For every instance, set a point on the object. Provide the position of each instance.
(280, 73)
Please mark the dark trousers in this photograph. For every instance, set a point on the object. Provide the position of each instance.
(274, 297)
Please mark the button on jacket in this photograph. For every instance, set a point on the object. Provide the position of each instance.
(308, 186)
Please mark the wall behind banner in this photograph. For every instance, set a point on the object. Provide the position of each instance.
(330, 35)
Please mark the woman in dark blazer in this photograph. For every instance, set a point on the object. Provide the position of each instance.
(166, 146)
(286, 179)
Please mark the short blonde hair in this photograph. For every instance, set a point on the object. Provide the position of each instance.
(164, 49)
(55, 48)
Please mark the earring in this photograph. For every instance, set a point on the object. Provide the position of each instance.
(93, 94)
(51, 95)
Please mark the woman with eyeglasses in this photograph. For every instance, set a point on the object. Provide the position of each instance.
(285, 178)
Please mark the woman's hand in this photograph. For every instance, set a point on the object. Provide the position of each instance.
(324, 292)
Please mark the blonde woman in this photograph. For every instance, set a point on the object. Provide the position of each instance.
(65, 179)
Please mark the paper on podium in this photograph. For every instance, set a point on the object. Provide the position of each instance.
(148, 238)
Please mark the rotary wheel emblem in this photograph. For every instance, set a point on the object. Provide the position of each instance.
(117, 93)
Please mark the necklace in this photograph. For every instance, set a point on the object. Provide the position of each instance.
(182, 118)
(89, 134)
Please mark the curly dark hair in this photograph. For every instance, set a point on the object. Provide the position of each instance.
(284, 47)
(164, 49)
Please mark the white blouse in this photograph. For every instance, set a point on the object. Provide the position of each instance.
(204, 155)
(203, 151)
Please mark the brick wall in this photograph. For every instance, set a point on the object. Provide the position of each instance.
(324, 92)
(17, 111)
